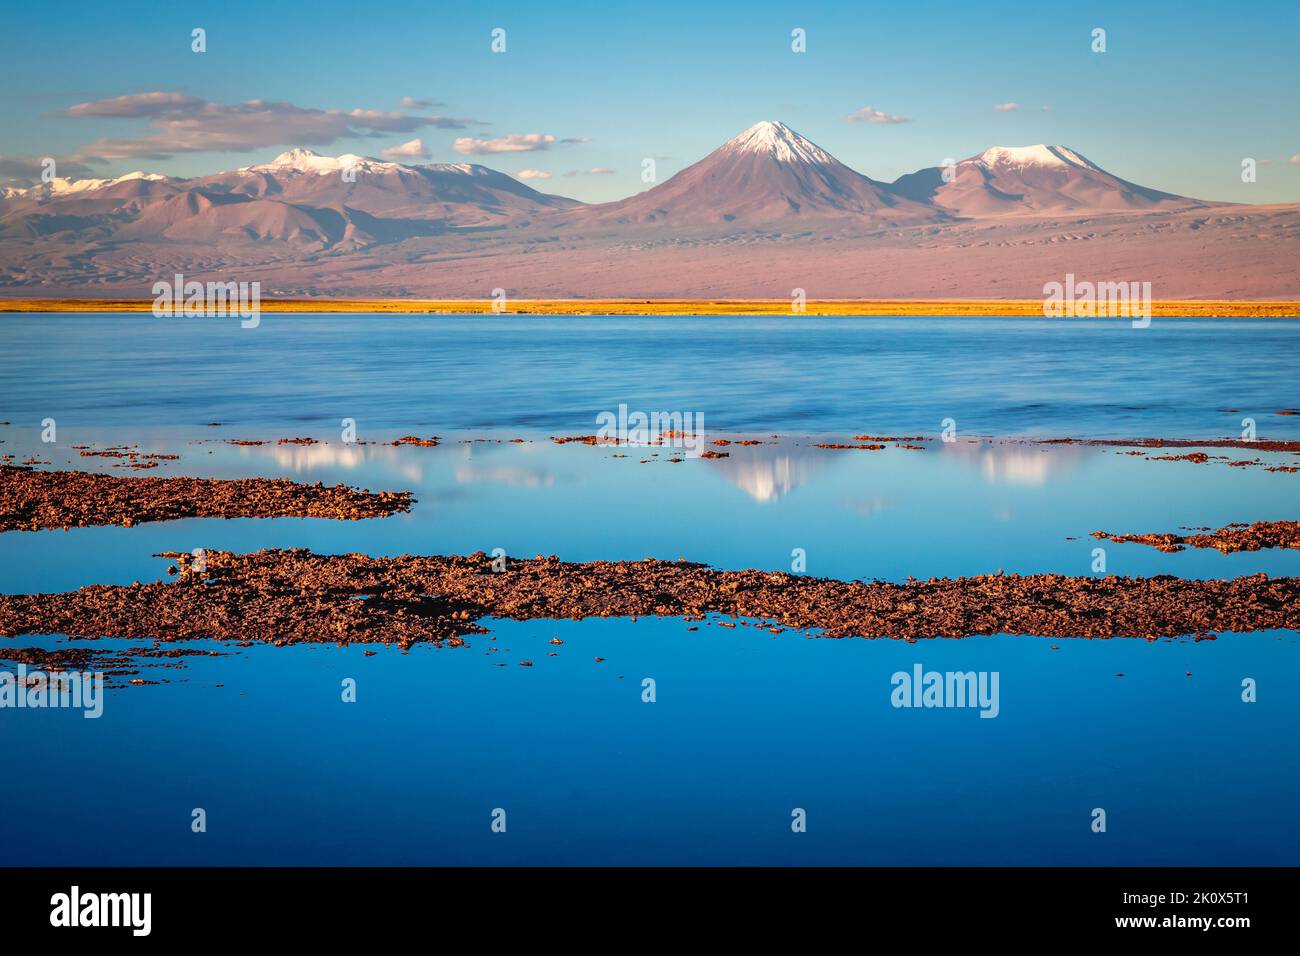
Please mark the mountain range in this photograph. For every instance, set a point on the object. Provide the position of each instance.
(766, 211)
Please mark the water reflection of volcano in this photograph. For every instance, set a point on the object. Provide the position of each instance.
(297, 459)
(1016, 464)
(769, 473)
(512, 477)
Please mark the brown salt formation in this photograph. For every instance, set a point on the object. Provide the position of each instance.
(1229, 540)
(896, 438)
(715, 454)
(117, 451)
(867, 447)
(1257, 445)
(583, 440)
(417, 441)
(32, 500)
(58, 659)
(131, 457)
(285, 597)
(297, 441)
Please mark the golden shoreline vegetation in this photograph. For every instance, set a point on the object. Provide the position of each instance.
(997, 308)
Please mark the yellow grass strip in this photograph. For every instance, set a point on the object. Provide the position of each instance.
(1168, 308)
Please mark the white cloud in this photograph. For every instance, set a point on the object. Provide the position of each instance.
(1006, 107)
(510, 143)
(533, 174)
(414, 149)
(1294, 160)
(869, 115)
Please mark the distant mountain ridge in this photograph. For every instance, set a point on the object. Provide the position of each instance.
(299, 197)
(767, 174)
(314, 224)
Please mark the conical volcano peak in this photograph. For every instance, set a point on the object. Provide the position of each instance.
(779, 141)
(768, 174)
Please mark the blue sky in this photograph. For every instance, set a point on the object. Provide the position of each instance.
(1184, 92)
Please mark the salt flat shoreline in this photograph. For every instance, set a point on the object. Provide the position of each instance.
(989, 308)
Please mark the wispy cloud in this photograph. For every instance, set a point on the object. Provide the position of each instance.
(510, 143)
(594, 171)
(1294, 160)
(1006, 107)
(186, 124)
(415, 103)
(138, 105)
(533, 174)
(413, 149)
(869, 115)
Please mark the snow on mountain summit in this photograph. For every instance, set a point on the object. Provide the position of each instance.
(64, 186)
(309, 161)
(779, 141)
(1040, 155)
(1041, 179)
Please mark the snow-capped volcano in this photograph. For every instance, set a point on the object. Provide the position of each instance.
(301, 160)
(1008, 180)
(779, 141)
(767, 175)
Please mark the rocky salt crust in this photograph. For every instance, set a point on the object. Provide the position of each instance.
(289, 597)
(32, 500)
(1229, 540)
(1261, 444)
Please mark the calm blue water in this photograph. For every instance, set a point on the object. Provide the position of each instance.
(1002, 376)
(747, 725)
